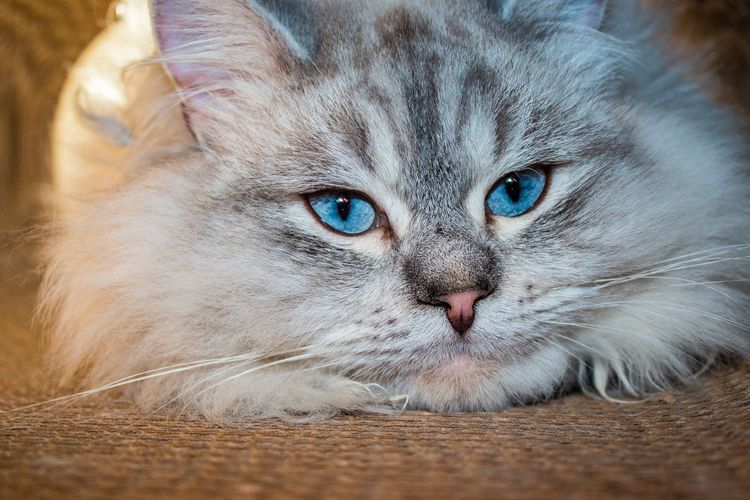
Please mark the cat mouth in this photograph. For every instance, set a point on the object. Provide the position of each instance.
(464, 374)
(465, 349)
(462, 366)
(467, 361)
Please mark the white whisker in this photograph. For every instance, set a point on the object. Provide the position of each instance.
(239, 363)
(144, 376)
(301, 357)
(675, 307)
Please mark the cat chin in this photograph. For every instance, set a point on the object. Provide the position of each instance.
(465, 383)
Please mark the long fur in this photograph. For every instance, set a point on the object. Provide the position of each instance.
(186, 270)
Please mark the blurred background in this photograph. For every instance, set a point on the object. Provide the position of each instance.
(39, 41)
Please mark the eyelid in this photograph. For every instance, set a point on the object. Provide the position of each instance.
(380, 215)
(545, 168)
(334, 190)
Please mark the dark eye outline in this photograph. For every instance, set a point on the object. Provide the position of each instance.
(380, 221)
(545, 168)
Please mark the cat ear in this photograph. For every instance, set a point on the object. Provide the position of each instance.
(585, 13)
(208, 45)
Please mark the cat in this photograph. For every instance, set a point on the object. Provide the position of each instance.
(300, 208)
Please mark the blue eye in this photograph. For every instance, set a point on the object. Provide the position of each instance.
(516, 193)
(345, 212)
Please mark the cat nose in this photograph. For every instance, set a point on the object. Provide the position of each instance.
(460, 308)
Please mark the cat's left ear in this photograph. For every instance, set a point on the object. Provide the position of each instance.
(583, 13)
(209, 47)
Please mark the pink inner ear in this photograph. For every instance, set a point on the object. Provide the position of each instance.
(173, 33)
(206, 46)
(206, 43)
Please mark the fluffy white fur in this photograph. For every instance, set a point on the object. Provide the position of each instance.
(147, 291)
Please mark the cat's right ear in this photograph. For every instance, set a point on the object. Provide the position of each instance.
(208, 46)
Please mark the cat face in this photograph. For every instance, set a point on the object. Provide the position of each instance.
(431, 198)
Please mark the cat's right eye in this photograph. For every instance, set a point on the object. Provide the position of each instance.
(516, 193)
(344, 212)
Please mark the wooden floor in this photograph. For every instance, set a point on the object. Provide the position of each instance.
(695, 444)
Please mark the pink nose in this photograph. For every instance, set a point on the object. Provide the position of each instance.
(461, 308)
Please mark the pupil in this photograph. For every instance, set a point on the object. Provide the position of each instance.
(513, 187)
(343, 205)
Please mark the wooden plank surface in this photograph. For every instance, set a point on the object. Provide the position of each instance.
(694, 444)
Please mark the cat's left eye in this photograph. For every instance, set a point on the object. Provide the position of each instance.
(517, 193)
(345, 212)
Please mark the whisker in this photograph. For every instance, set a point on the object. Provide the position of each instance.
(674, 307)
(292, 359)
(702, 257)
(585, 346)
(157, 372)
(668, 269)
(677, 349)
(241, 362)
(143, 376)
(246, 372)
(684, 282)
(572, 354)
(713, 251)
(585, 326)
